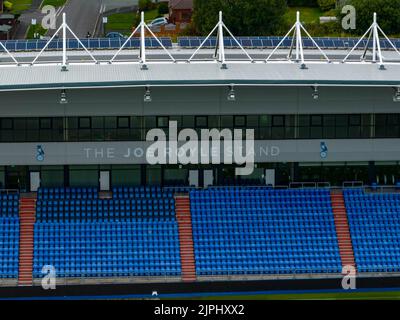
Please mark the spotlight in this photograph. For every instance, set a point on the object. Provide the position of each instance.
(63, 98)
(396, 96)
(231, 94)
(147, 95)
(315, 93)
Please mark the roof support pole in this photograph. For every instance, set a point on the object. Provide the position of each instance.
(219, 53)
(373, 31)
(142, 27)
(64, 44)
(142, 42)
(221, 44)
(9, 53)
(299, 47)
(297, 41)
(63, 28)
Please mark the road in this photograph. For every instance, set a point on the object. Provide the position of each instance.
(26, 18)
(82, 16)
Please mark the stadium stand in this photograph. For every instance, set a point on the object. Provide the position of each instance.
(263, 231)
(9, 236)
(133, 234)
(374, 220)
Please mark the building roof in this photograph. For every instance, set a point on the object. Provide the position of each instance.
(181, 4)
(197, 74)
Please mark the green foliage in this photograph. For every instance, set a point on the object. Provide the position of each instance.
(145, 5)
(163, 8)
(256, 17)
(326, 5)
(387, 10)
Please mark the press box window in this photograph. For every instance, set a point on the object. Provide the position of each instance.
(123, 122)
(278, 121)
(6, 124)
(316, 121)
(84, 123)
(45, 123)
(162, 122)
(240, 121)
(201, 122)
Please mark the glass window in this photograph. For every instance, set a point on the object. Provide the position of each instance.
(84, 123)
(316, 121)
(136, 122)
(45, 123)
(188, 121)
(7, 124)
(355, 120)
(329, 120)
(278, 121)
(265, 121)
(226, 122)
(110, 122)
(123, 122)
(252, 121)
(32, 124)
(162, 122)
(304, 121)
(201, 122)
(98, 122)
(240, 121)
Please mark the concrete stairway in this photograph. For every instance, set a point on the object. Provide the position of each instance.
(182, 209)
(342, 229)
(27, 209)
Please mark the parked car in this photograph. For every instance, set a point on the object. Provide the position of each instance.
(114, 35)
(158, 22)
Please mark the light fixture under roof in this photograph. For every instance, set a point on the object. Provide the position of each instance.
(231, 94)
(315, 94)
(147, 95)
(396, 96)
(63, 98)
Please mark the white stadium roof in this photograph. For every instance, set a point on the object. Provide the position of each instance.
(182, 68)
(200, 74)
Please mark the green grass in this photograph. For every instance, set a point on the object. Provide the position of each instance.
(125, 22)
(307, 15)
(122, 22)
(20, 5)
(313, 296)
(54, 3)
(151, 15)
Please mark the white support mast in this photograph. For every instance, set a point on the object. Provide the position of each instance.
(373, 32)
(9, 53)
(64, 27)
(142, 42)
(219, 54)
(297, 43)
(142, 50)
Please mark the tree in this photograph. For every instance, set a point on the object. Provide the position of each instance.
(163, 8)
(387, 10)
(242, 17)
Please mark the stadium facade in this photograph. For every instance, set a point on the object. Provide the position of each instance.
(333, 121)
